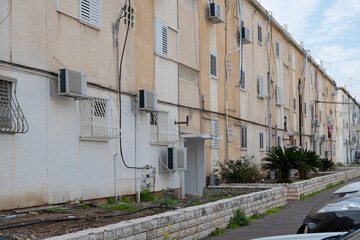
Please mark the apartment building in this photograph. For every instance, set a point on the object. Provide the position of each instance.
(208, 80)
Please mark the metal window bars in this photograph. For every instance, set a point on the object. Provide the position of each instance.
(97, 120)
(12, 118)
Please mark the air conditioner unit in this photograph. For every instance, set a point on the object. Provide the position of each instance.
(215, 12)
(324, 138)
(317, 122)
(147, 100)
(176, 159)
(314, 137)
(246, 35)
(72, 83)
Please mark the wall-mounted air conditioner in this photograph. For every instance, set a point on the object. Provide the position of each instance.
(72, 83)
(215, 13)
(324, 138)
(176, 159)
(314, 137)
(317, 122)
(246, 35)
(147, 100)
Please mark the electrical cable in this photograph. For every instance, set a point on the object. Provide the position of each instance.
(119, 83)
(81, 218)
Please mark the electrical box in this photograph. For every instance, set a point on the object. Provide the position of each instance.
(72, 83)
(215, 13)
(147, 100)
(176, 159)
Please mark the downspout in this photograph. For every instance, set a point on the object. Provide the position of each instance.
(300, 114)
(269, 87)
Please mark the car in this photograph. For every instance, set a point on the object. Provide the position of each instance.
(338, 215)
(349, 188)
(317, 236)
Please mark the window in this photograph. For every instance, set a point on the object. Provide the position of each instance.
(5, 105)
(293, 61)
(162, 130)
(261, 140)
(259, 31)
(279, 97)
(260, 87)
(97, 120)
(214, 131)
(305, 113)
(213, 65)
(320, 148)
(294, 103)
(243, 79)
(90, 12)
(311, 78)
(277, 48)
(230, 131)
(244, 137)
(12, 119)
(319, 84)
(278, 140)
(161, 38)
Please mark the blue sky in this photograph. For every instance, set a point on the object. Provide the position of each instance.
(330, 29)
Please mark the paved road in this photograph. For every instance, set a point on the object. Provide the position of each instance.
(287, 221)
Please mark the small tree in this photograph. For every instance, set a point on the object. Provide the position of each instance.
(283, 160)
(239, 171)
(326, 165)
(312, 163)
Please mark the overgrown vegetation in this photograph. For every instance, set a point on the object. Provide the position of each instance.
(238, 219)
(217, 232)
(326, 165)
(304, 197)
(120, 206)
(239, 171)
(146, 196)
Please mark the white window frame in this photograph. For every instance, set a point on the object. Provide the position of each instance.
(93, 18)
(277, 48)
(212, 75)
(259, 33)
(261, 140)
(243, 79)
(243, 137)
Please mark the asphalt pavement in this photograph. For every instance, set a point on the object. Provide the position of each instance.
(287, 221)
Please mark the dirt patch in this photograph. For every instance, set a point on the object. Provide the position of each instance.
(62, 219)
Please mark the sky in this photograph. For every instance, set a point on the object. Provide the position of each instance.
(330, 29)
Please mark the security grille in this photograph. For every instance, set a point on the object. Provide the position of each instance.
(243, 80)
(12, 119)
(162, 128)
(244, 137)
(261, 140)
(214, 131)
(97, 120)
(90, 12)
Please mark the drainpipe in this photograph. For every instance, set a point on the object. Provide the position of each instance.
(269, 106)
(300, 114)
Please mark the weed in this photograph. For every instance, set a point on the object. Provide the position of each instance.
(217, 232)
(121, 206)
(146, 196)
(125, 200)
(110, 200)
(80, 200)
(238, 219)
(166, 201)
(85, 206)
(256, 216)
(167, 234)
(304, 197)
(274, 210)
(57, 210)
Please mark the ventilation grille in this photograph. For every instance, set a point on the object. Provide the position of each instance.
(213, 65)
(214, 131)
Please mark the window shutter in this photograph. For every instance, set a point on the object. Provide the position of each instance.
(214, 131)
(90, 12)
(161, 38)
(243, 80)
(213, 65)
(259, 33)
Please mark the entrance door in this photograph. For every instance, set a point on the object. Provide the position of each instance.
(195, 176)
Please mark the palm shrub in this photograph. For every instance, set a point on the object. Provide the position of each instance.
(283, 160)
(239, 171)
(326, 165)
(312, 163)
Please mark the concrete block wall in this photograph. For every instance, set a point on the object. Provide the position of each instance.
(189, 223)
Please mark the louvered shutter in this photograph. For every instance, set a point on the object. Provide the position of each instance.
(161, 38)
(213, 65)
(243, 80)
(243, 137)
(90, 12)
(214, 131)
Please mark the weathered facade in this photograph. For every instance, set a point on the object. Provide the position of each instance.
(238, 95)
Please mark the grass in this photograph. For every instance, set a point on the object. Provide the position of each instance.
(218, 232)
(121, 206)
(330, 186)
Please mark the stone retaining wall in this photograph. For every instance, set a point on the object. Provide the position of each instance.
(188, 223)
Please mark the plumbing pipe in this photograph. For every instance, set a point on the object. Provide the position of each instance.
(115, 178)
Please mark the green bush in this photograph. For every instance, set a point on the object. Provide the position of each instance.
(326, 165)
(146, 196)
(238, 219)
(239, 171)
(311, 163)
